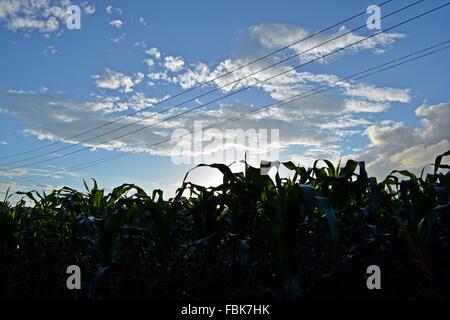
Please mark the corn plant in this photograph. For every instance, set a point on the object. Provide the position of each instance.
(308, 236)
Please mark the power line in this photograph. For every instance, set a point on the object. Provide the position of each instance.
(232, 93)
(317, 90)
(199, 85)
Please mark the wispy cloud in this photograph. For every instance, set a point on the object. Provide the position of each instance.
(142, 21)
(119, 38)
(116, 23)
(275, 35)
(110, 9)
(49, 51)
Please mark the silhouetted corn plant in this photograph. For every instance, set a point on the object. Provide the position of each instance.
(308, 236)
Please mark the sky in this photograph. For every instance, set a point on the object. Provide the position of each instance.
(57, 82)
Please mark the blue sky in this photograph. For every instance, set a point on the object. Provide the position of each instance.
(55, 83)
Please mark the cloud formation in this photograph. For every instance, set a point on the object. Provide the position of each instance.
(296, 129)
(116, 23)
(44, 16)
(394, 145)
(317, 127)
(275, 35)
(173, 64)
(114, 80)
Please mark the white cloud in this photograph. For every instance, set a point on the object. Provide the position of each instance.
(114, 80)
(142, 21)
(139, 44)
(109, 10)
(198, 74)
(344, 122)
(380, 94)
(19, 172)
(277, 35)
(116, 23)
(138, 78)
(318, 124)
(107, 105)
(174, 64)
(393, 145)
(49, 50)
(274, 36)
(31, 179)
(33, 109)
(304, 131)
(283, 85)
(149, 62)
(9, 8)
(154, 52)
(3, 142)
(359, 105)
(139, 101)
(365, 98)
(89, 9)
(155, 76)
(119, 38)
(417, 156)
(29, 24)
(44, 16)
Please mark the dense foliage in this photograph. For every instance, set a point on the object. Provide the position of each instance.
(310, 236)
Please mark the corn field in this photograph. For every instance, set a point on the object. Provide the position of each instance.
(309, 236)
